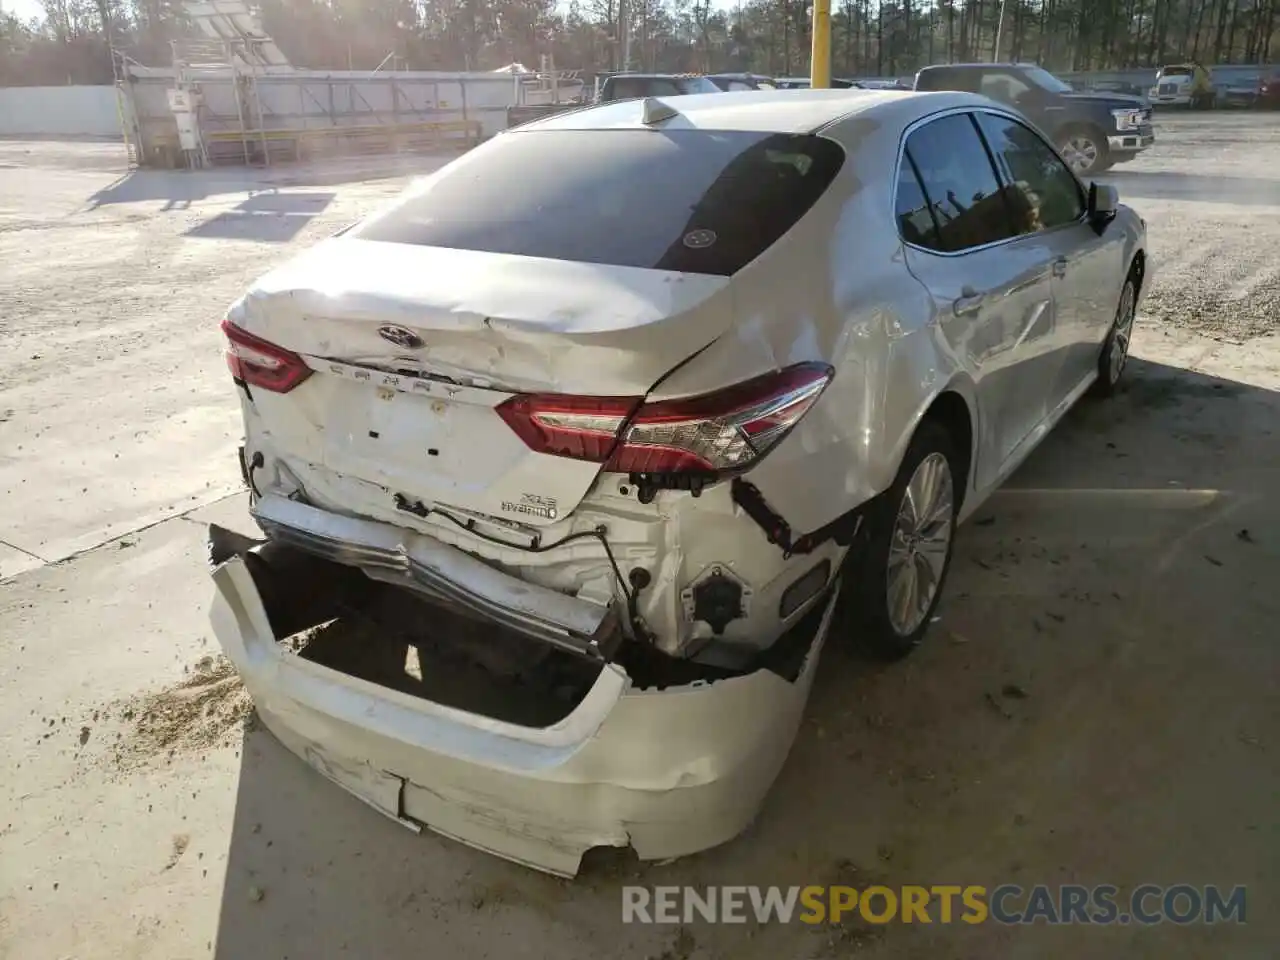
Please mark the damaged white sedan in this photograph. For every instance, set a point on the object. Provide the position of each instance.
(563, 458)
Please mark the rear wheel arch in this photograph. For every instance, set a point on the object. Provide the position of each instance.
(951, 411)
(953, 408)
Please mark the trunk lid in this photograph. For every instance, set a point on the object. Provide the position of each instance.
(414, 347)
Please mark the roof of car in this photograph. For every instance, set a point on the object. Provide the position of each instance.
(652, 76)
(974, 66)
(771, 111)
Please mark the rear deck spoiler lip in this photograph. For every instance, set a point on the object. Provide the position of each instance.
(444, 574)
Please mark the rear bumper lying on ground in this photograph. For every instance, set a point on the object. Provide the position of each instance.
(667, 771)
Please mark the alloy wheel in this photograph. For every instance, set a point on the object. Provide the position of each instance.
(1080, 153)
(920, 543)
(1119, 351)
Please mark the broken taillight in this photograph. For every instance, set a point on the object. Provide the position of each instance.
(718, 432)
(261, 363)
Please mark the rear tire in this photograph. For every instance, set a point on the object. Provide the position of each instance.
(899, 568)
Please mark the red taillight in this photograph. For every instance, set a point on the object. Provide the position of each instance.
(720, 432)
(261, 363)
(584, 428)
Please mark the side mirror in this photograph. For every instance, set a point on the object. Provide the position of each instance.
(1104, 201)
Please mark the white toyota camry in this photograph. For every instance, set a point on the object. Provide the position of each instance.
(591, 429)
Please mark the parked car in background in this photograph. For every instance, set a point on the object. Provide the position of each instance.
(804, 83)
(730, 82)
(628, 86)
(839, 83)
(1269, 92)
(881, 85)
(586, 435)
(1183, 85)
(1238, 92)
(1093, 131)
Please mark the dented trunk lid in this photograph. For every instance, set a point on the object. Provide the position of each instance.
(414, 347)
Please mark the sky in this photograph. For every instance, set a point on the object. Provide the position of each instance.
(23, 9)
(26, 9)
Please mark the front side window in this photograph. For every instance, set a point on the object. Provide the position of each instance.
(696, 201)
(959, 185)
(1045, 194)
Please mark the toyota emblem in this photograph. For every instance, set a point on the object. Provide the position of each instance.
(401, 337)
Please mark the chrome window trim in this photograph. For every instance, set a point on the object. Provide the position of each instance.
(969, 111)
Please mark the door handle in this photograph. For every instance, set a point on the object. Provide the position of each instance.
(968, 303)
(1060, 267)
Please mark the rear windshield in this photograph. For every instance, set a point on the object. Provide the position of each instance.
(697, 85)
(628, 88)
(697, 201)
(944, 79)
(1176, 72)
(1045, 80)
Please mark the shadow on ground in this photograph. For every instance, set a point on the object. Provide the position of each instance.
(1095, 705)
(180, 188)
(1177, 185)
(269, 216)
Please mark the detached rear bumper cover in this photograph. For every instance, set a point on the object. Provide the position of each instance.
(444, 573)
(669, 772)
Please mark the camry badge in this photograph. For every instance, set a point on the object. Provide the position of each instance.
(401, 337)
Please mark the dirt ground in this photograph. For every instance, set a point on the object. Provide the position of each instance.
(1099, 703)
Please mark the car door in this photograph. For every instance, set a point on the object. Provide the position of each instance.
(991, 286)
(1087, 269)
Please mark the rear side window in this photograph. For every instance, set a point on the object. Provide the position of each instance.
(958, 184)
(697, 201)
(916, 221)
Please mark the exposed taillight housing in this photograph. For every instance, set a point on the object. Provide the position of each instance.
(718, 433)
(261, 363)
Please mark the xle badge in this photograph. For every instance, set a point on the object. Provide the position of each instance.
(532, 505)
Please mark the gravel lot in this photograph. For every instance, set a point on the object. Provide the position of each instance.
(1097, 705)
(1211, 188)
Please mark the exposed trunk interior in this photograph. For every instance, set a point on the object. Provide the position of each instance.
(335, 616)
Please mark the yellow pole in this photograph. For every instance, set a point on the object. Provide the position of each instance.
(820, 57)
